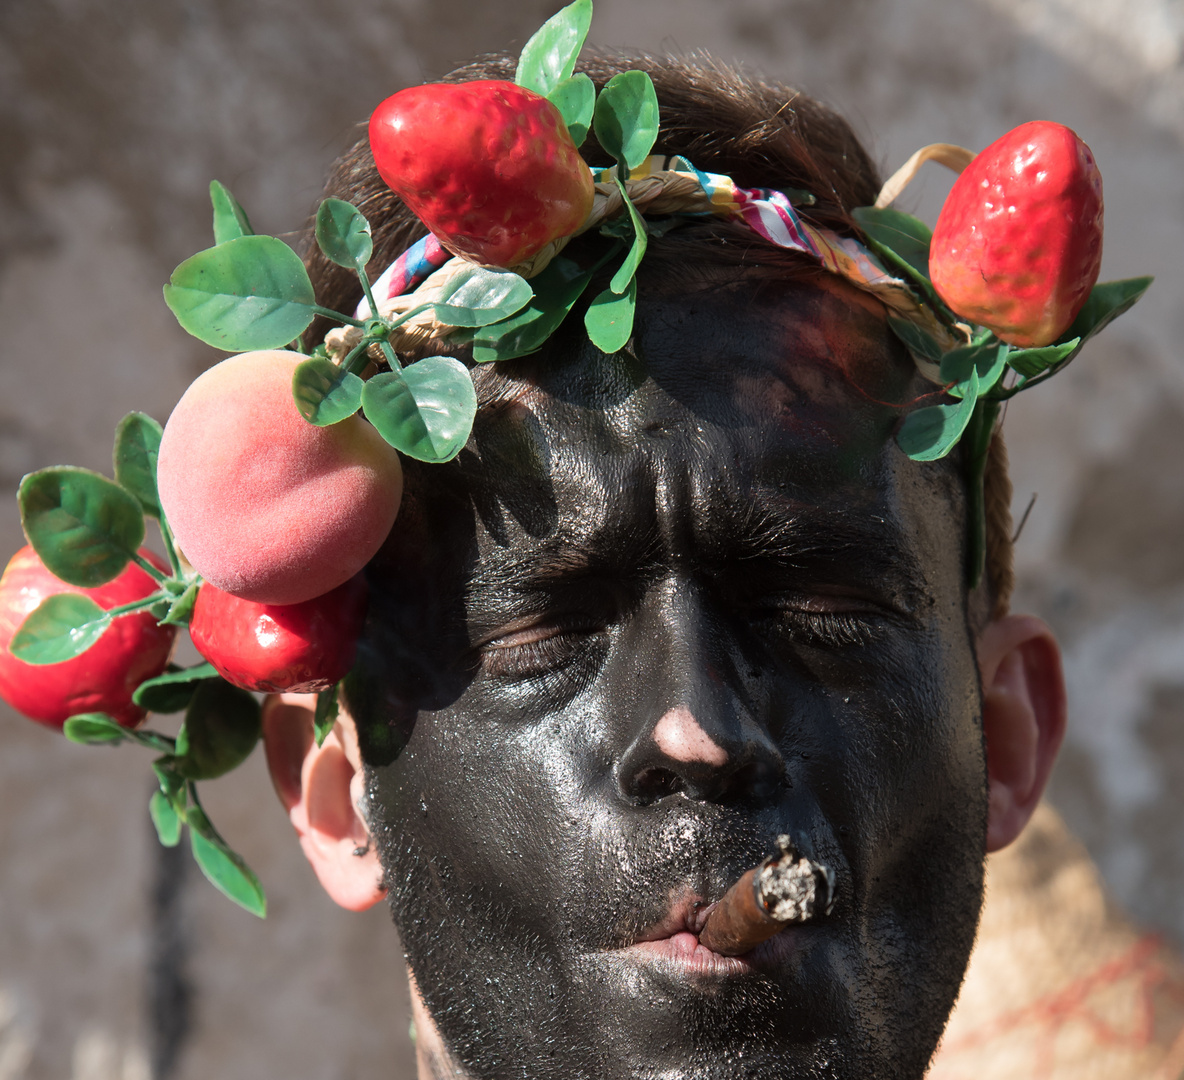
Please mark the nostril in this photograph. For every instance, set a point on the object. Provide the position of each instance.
(655, 783)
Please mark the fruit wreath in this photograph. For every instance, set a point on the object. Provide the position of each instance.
(998, 298)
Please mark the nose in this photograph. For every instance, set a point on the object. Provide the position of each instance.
(692, 729)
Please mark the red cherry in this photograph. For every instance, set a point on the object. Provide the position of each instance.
(1018, 244)
(302, 647)
(488, 166)
(103, 678)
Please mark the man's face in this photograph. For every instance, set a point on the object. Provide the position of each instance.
(668, 606)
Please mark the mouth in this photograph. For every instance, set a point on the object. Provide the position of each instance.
(673, 945)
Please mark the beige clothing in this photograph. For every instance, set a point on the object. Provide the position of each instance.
(1061, 986)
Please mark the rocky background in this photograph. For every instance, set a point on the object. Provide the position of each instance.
(118, 962)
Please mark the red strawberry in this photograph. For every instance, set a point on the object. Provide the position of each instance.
(488, 166)
(1018, 244)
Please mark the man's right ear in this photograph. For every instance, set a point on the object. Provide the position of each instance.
(321, 787)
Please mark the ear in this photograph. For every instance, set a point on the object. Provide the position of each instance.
(1024, 712)
(321, 787)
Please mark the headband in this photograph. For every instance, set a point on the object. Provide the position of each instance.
(660, 186)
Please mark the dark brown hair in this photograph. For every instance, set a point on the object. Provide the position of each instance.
(761, 133)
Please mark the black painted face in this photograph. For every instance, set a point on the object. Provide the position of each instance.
(718, 527)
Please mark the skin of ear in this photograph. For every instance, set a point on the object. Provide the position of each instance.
(1024, 712)
(322, 789)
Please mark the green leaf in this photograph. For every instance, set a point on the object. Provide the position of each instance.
(343, 234)
(991, 368)
(481, 296)
(60, 628)
(223, 725)
(172, 691)
(83, 526)
(426, 410)
(223, 868)
(326, 714)
(986, 362)
(325, 393)
(609, 319)
(549, 56)
(93, 729)
(918, 341)
(181, 608)
(575, 98)
(249, 293)
(230, 219)
(556, 290)
(624, 275)
(929, 434)
(907, 236)
(626, 117)
(137, 444)
(1106, 302)
(165, 818)
(1032, 362)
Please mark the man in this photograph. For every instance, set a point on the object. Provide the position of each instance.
(666, 606)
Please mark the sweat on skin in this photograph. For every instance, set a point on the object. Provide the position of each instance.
(666, 606)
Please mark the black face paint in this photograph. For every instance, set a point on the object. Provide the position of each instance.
(719, 526)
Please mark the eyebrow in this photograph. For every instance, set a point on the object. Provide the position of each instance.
(775, 530)
(566, 559)
(809, 537)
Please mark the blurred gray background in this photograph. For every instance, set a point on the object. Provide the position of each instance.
(116, 964)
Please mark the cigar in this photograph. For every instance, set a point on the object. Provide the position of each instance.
(786, 888)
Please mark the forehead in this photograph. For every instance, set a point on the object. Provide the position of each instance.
(730, 398)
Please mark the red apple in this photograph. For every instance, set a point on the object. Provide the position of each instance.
(103, 678)
(302, 647)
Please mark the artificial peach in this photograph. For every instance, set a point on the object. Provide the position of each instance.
(263, 504)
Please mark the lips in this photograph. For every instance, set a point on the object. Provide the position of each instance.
(673, 942)
(683, 951)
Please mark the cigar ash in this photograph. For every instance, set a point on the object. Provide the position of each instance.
(792, 888)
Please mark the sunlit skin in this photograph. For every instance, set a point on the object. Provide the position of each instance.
(665, 607)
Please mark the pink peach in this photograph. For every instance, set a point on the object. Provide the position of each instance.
(263, 504)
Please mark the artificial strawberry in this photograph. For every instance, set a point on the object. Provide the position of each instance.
(488, 166)
(1018, 244)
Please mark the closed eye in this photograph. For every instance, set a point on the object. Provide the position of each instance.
(828, 622)
(539, 649)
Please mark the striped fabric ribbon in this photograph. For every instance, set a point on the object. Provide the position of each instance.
(406, 272)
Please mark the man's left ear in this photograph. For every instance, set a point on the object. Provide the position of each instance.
(321, 787)
(1024, 710)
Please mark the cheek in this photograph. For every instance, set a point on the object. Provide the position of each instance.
(494, 809)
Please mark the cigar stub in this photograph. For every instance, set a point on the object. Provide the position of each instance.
(784, 889)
